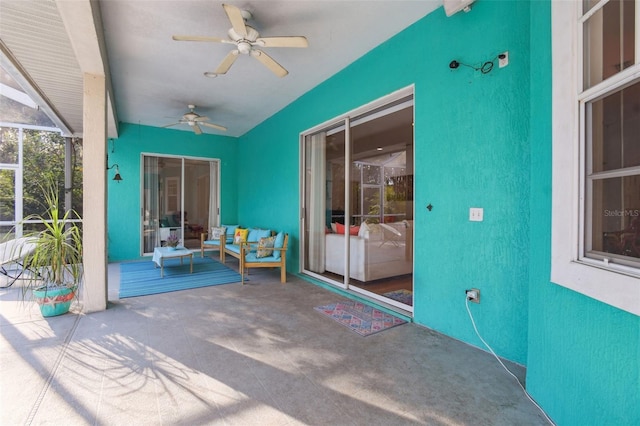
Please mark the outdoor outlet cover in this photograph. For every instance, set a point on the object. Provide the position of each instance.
(503, 59)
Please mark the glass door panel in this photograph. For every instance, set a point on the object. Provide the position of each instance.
(368, 195)
(178, 195)
(324, 196)
(196, 201)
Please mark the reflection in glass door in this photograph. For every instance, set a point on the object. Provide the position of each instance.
(180, 197)
(358, 181)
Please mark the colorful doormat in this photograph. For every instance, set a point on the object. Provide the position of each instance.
(363, 319)
(143, 278)
(402, 296)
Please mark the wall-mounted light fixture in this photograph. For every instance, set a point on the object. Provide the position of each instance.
(117, 177)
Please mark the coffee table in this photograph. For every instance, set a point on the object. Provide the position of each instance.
(162, 253)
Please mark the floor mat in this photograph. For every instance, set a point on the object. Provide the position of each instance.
(363, 319)
(143, 278)
(402, 296)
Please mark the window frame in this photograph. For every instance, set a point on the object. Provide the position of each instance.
(614, 284)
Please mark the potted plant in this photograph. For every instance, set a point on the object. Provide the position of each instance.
(56, 258)
(172, 241)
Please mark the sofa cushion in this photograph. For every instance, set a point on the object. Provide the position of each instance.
(265, 246)
(278, 243)
(212, 242)
(252, 257)
(240, 235)
(255, 234)
(233, 247)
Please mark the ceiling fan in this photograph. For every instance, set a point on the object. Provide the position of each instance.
(246, 39)
(195, 121)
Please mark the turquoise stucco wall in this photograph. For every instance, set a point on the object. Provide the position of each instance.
(482, 140)
(123, 208)
(583, 363)
(471, 150)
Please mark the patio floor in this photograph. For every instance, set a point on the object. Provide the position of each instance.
(256, 354)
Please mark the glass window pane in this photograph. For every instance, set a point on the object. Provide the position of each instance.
(76, 173)
(616, 216)
(588, 4)
(609, 41)
(17, 107)
(7, 233)
(614, 125)
(7, 195)
(43, 160)
(371, 175)
(9, 145)
(371, 203)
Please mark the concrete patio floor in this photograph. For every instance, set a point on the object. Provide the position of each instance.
(257, 354)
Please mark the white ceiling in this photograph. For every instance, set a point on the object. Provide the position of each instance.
(154, 78)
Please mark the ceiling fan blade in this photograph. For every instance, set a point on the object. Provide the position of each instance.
(174, 124)
(201, 118)
(199, 38)
(197, 129)
(215, 126)
(269, 62)
(292, 41)
(227, 62)
(237, 21)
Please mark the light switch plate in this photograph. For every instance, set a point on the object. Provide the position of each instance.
(476, 214)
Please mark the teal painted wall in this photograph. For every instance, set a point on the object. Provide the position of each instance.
(472, 150)
(482, 140)
(123, 207)
(583, 362)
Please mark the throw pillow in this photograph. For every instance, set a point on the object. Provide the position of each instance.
(265, 246)
(256, 233)
(231, 229)
(240, 235)
(278, 244)
(333, 227)
(353, 230)
(217, 232)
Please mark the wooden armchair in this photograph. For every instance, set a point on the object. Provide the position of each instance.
(278, 259)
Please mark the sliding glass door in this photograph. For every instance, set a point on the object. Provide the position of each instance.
(358, 201)
(179, 197)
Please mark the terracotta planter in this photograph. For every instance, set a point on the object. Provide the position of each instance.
(54, 301)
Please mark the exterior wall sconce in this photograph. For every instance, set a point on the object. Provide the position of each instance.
(117, 177)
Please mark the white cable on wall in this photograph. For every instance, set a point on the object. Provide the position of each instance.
(502, 364)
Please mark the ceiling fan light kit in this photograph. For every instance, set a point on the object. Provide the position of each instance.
(246, 39)
(195, 120)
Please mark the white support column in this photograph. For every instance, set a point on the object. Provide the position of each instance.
(94, 291)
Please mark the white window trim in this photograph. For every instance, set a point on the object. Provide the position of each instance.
(619, 287)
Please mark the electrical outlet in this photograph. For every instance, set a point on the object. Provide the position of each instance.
(503, 59)
(473, 295)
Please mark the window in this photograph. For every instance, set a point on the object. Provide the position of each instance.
(611, 126)
(29, 156)
(596, 114)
